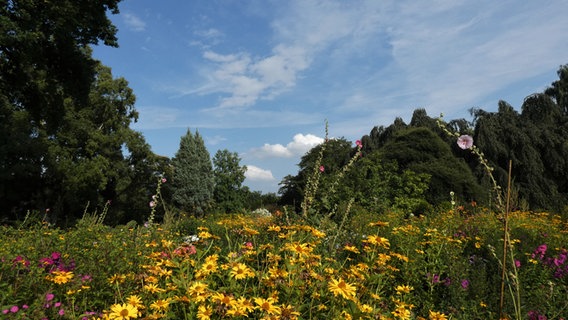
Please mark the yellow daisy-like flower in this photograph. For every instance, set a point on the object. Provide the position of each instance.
(160, 305)
(351, 248)
(378, 241)
(153, 288)
(135, 301)
(401, 313)
(403, 289)
(223, 299)
(436, 316)
(378, 224)
(274, 228)
(198, 291)
(341, 288)
(60, 277)
(117, 278)
(241, 271)
(267, 305)
(204, 312)
(302, 249)
(123, 312)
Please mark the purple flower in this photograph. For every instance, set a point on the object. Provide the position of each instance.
(465, 283)
(465, 141)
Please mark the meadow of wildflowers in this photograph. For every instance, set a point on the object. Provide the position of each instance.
(260, 266)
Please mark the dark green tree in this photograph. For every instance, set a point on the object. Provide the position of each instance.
(424, 152)
(47, 75)
(229, 177)
(193, 179)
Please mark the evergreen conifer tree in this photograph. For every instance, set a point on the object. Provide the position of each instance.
(193, 179)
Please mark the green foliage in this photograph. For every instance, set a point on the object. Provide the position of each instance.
(229, 177)
(193, 179)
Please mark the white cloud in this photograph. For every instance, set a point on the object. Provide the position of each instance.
(133, 22)
(297, 147)
(257, 174)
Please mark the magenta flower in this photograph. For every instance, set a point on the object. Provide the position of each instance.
(465, 283)
(465, 142)
(49, 297)
(359, 144)
(14, 309)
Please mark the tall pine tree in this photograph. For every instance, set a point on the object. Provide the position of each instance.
(193, 179)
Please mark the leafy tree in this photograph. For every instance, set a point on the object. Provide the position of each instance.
(49, 87)
(229, 177)
(377, 185)
(422, 151)
(193, 180)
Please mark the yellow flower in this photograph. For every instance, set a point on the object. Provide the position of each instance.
(117, 278)
(198, 291)
(274, 228)
(403, 289)
(123, 312)
(302, 249)
(160, 305)
(241, 271)
(351, 248)
(342, 288)
(378, 224)
(267, 305)
(152, 288)
(223, 299)
(135, 301)
(436, 316)
(401, 313)
(378, 241)
(61, 277)
(204, 313)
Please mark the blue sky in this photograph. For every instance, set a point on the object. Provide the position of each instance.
(260, 77)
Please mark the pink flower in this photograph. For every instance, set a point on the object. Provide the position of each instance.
(49, 297)
(14, 309)
(465, 142)
(61, 312)
(517, 263)
(322, 168)
(152, 204)
(359, 144)
(164, 180)
(465, 283)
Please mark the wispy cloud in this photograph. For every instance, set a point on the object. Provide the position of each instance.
(133, 22)
(297, 147)
(254, 173)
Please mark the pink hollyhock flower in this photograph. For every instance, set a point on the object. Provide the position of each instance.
(322, 168)
(358, 143)
(465, 142)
